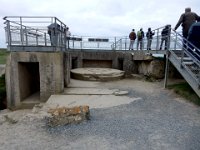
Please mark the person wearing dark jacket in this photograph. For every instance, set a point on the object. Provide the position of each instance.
(194, 39)
(186, 20)
(132, 37)
(165, 35)
(149, 36)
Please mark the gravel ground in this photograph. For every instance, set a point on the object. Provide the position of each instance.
(160, 120)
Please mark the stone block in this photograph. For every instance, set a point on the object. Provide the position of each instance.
(64, 115)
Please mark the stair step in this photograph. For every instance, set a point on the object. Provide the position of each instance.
(188, 63)
(186, 58)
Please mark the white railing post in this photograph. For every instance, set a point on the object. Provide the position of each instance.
(21, 32)
(157, 42)
(45, 39)
(125, 43)
(36, 38)
(115, 43)
(9, 33)
(26, 35)
(175, 42)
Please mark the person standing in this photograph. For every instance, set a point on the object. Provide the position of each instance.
(186, 20)
(165, 35)
(149, 36)
(132, 37)
(140, 36)
(68, 34)
(54, 31)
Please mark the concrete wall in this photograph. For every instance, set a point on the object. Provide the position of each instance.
(50, 71)
(108, 59)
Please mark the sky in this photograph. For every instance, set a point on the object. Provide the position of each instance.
(100, 17)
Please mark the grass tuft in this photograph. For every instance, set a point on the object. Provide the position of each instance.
(3, 55)
(186, 91)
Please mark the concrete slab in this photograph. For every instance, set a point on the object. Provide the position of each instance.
(97, 74)
(93, 101)
(89, 91)
(83, 84)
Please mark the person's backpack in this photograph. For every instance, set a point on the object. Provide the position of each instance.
(139, 35)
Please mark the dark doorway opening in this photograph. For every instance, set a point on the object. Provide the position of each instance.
(74, 62)
(120, 63)
(97, 63)
(29, 79)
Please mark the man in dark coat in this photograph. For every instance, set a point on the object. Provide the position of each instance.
(186, 20)
(165, 36)
(132, 37)
(149, 36)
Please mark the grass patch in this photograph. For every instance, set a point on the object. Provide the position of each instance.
(186, 91)
(3, 55)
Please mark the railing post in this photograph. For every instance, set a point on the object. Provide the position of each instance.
(175, 42)
(36, 38)
(81, 44)
(21, 32)
(120, 44)
(73, 41)
(115, 43)
(9, 33)
(125, 43)
(157, 42)
(26, 35)
(166, 69)
(45, 39)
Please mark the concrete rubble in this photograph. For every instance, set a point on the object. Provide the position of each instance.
(67, 115)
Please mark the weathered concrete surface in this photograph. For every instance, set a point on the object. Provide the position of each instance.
(97, 74)
(89, 91)
(93, 101)
(154, 68)
(46, 76)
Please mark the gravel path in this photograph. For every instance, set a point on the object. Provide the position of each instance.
(159, 120)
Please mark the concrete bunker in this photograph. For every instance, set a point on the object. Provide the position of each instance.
(29, 79)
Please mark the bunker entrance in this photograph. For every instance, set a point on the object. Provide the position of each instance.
(29, 80)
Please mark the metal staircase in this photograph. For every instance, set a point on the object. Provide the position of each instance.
(185, 61)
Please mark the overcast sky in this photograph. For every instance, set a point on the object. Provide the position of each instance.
(101, 17)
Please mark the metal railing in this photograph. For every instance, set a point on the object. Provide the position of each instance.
(33, 31)
(123, 43)
(188, 57)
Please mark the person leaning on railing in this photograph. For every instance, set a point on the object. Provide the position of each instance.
(165, 36)
(53, 31)
(149, 36)
(68, 34)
